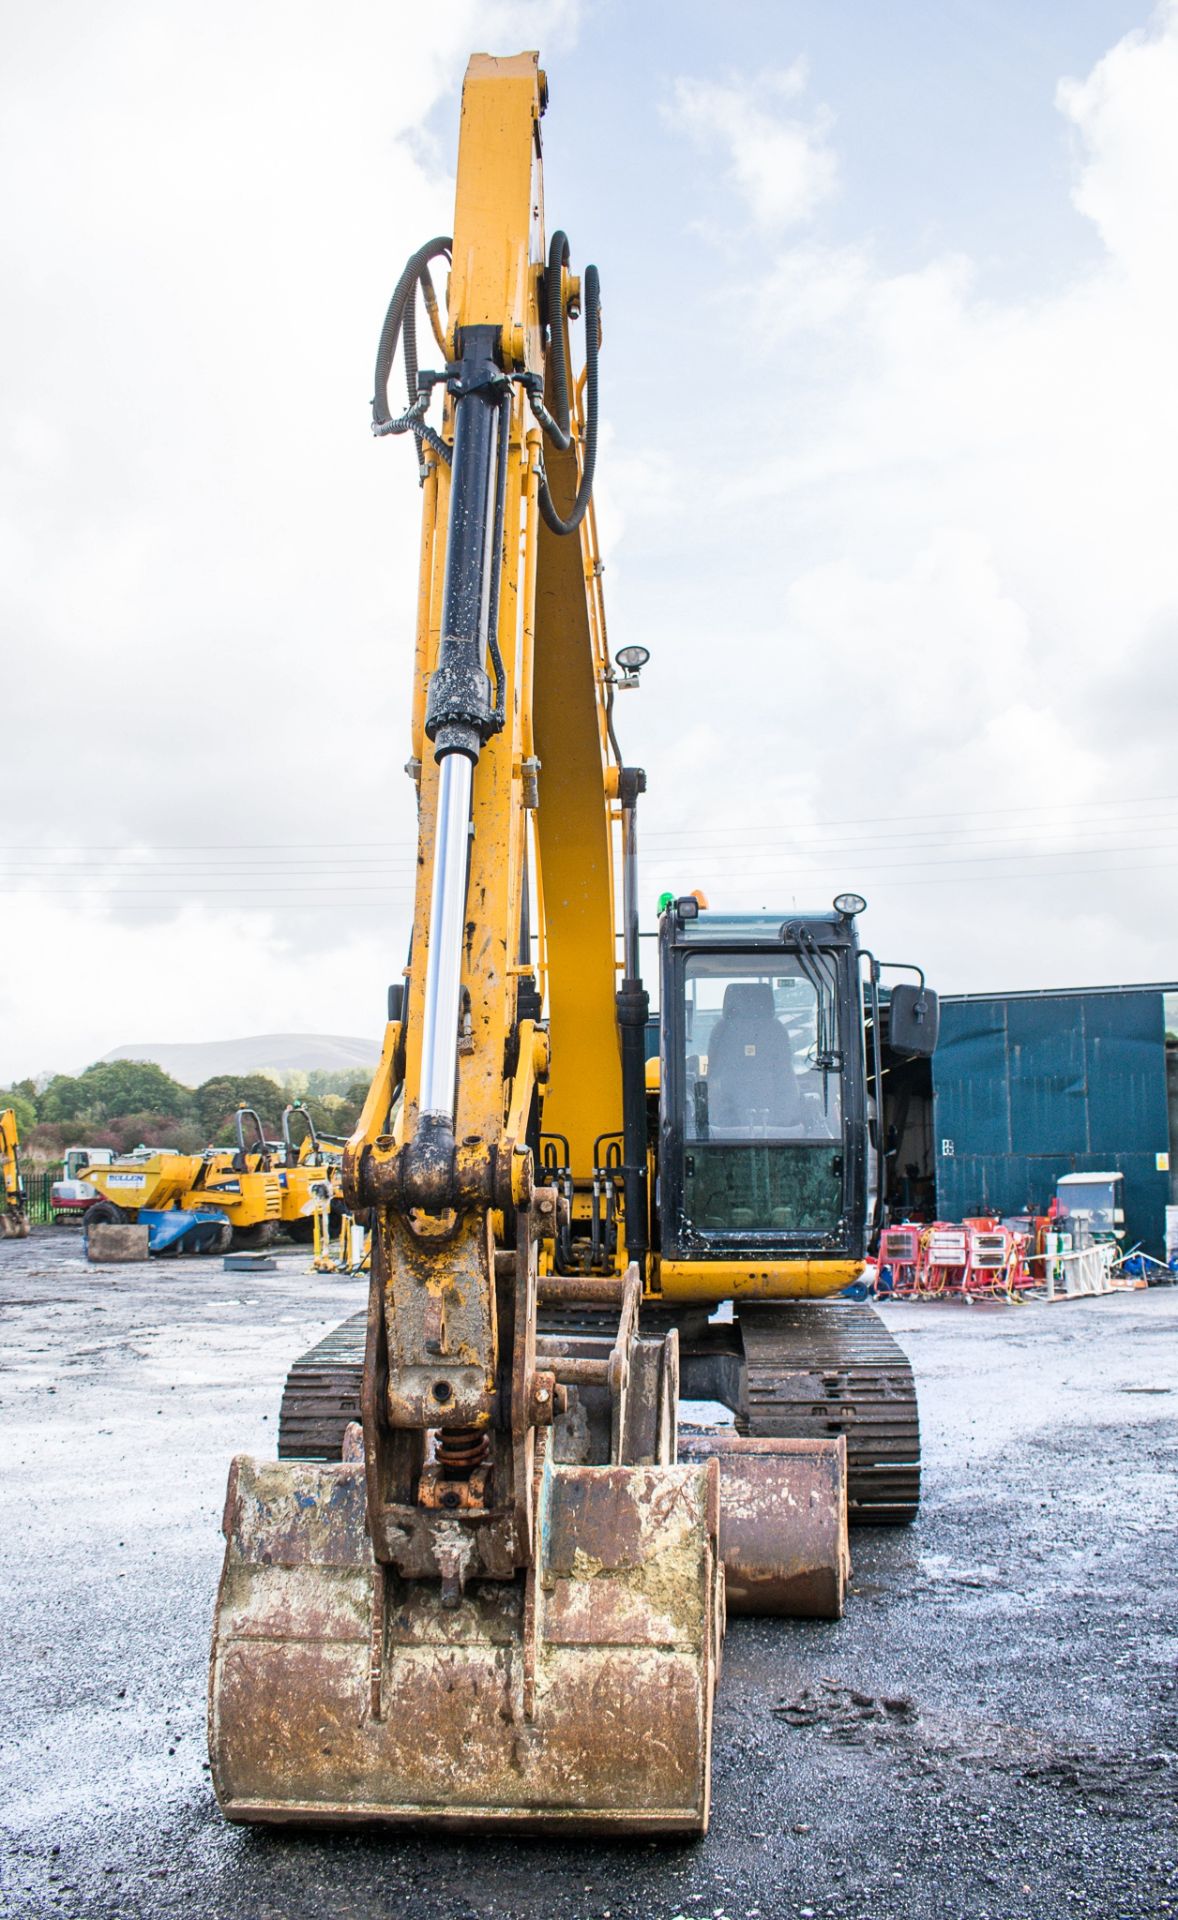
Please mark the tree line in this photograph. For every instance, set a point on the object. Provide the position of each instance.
(129, 1103)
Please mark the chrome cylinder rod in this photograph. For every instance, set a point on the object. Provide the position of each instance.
(460, 717)
(443, 961)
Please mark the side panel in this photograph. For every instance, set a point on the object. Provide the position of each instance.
(715, 1280)
(1028, 1090)
(1048, 1091)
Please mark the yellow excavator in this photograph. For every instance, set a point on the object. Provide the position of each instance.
(485, 1582)
(14, 1217)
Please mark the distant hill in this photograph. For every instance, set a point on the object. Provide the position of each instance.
(193, 1062)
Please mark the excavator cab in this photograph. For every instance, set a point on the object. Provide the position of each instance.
(763, 1135)
(771, 1091)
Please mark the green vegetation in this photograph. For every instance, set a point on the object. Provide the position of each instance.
(126, 1103)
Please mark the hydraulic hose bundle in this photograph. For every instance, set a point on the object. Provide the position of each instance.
(556, 424)
(400, 327)
(400, 324)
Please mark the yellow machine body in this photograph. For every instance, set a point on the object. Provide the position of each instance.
(465, 1619)
(307, 1178)
(707, 1282)
(393, 1641)
(305, 1192)
(192, 1181)
(14, 1219)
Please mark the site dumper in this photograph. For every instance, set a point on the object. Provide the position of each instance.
(191, 1202)
(309, 1169)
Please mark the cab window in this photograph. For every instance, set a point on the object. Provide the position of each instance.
(762, 1080)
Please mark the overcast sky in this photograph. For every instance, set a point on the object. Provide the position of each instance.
(888, 483)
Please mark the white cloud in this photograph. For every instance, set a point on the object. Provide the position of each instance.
(781, 165)
(204, 557)
(1126, 117)
(928, 567)
(92, 982)
(947, 546)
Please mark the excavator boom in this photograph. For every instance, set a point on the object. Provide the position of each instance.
(456, 1621)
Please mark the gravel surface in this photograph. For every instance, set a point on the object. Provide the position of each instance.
(991, 1731)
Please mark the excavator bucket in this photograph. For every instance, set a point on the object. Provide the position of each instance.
(576, 1697)
(783, 1522)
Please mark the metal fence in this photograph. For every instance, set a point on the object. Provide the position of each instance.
(37, 1187)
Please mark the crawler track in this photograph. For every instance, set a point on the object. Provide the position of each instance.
(322, 1395)
(813, 1370)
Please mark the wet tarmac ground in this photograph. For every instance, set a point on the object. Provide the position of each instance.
(991, 1731)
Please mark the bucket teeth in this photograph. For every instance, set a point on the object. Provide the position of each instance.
(575, 1696)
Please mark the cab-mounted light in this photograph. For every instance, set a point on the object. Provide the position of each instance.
(849, 904)
(631, 660)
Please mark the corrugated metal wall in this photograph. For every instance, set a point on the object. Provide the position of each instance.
(1026, 1090)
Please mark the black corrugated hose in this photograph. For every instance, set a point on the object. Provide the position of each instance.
(400, 323)
(556, 423)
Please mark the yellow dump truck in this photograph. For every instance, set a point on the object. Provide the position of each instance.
(238, 1206)
(308, 1179)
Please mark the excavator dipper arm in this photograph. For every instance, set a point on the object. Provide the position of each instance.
(449, 1624)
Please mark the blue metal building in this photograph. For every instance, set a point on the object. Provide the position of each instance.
(1029, 1086)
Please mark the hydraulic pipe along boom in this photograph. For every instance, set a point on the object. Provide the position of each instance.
(633, 1011)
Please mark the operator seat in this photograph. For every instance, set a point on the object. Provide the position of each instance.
(751, 1080)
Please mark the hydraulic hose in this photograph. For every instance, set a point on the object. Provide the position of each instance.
(400, 324)
(394, 320)
(557, 426)
(556, 422)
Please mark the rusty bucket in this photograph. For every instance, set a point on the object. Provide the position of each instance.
(577, 1696)
(783, 1522)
